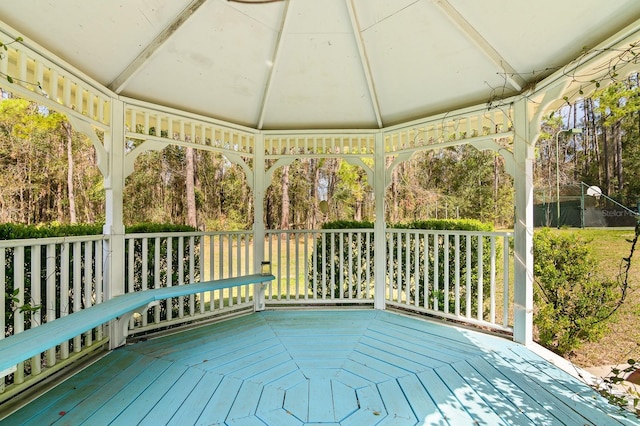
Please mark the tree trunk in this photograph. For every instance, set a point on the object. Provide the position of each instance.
(190, 187)
(68, 132)
(284, 220)
(605, 162)
(618, 162)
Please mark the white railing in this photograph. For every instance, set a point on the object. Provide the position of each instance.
(54, 277)
(328, 266)
(170, 259)
(459, 275)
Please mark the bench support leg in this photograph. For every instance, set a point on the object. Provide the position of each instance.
(258, 294)
(119, 327)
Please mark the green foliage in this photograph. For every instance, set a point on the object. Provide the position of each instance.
(628, 397)
(573, 303)
(18, 231)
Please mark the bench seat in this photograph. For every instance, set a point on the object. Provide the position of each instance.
(24, 345)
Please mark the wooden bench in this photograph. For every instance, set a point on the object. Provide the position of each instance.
(19, 347)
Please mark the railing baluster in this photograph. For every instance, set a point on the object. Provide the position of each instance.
(480, 311)
(492, 301)
(88, 286)
(192, 270)
(65, 306)
(18, 316)
(181, 274)
(436, 271)
(426, 295)
(77, 289)
(156, 276)
(468, 287)
(446, 272)
(169, 276)
(456, 242)
(51, 303)
(36, 300)
(506, 293)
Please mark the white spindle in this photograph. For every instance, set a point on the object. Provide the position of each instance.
(51, 295)
(77, 289)
(65, 301)
(18, 315)
(456, 242)
(446, 273)
(480, 277)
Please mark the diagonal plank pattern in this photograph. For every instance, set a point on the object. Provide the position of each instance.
(356, 367)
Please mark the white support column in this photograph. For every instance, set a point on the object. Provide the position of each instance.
(523, 227)
(259, 186)
(379, 230)
(113, 247)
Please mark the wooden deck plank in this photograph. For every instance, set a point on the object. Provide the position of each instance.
(425, 410)
(418, 360)
(136, 399)
(366, 372)
(287, 381)
(246, 401)
(275, 373)
(446, 402)
(345, 400)
(321, 406)
(577, 391)
(387, 362)
(536, 395)
(424, 344)
(161, 401)
(258, 366)
(479, 410)
(178, 342)
(572, 402)
(499, 393)
(320, 363)
(217, 350)
(372, 409)
(233, 362)
(189, 411)
(246, 421)
(398, 409)
(218, 407)
(296, 401)
(428, 338)
(447, 335)
(62, 394)
(116, 392)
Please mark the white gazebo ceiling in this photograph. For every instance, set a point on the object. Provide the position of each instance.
(301, 64)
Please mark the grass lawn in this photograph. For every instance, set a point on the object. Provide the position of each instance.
(622, 341)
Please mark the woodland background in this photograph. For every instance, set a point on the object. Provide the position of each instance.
(49, 174)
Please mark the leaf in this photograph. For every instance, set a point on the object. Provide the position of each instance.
(19, 39)
(9, 79)
(631, 361)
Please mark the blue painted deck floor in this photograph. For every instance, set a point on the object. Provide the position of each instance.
(357, 367)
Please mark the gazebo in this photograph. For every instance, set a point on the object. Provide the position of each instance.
(265, 83)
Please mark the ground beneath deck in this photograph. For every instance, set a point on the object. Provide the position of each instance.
(356, 367)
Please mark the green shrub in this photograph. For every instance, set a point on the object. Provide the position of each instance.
(572, 302)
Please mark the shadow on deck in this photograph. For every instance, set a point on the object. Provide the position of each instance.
(357, 367)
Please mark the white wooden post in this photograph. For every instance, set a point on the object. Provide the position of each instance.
(259, 186)
(379, 229)
(523, 227)
(113, 246)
